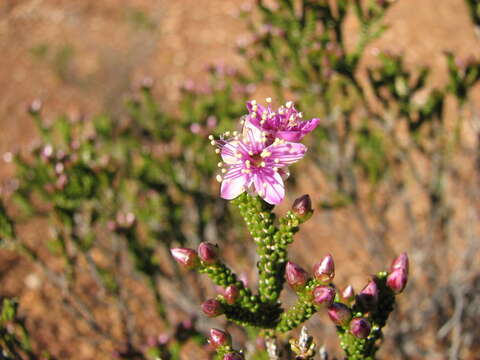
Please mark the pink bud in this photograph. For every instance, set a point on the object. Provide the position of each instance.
(324, 271)
(348, 294)
(147, 83)
(211, 122)
(35, 106)
(233, 356)
(219, 338)
(400, 262)
(302, 207)
(296, 276)
(323, 295)
(360, 327)
(231, 294)
(163, 339)
(188, 258)
(208, 253)
(195, 128)
(212, 308)
(339, 313)
(397, 280)
(368, 297)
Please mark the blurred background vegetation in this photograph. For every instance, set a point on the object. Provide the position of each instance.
(111, 166)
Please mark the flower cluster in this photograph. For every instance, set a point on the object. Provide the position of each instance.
(256, 159)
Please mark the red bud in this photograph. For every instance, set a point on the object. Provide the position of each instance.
(323, 295)
(324, 271)
(212, 308)
(397, 280)
(368, 297)
(219, 338)
(296, 276)
(188, 258)
(302, 207)
(400, 262)
(231, 294)
(339, 313)
(348, 294)
(208, 253)
(360, 327)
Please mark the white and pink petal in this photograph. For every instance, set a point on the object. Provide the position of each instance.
(233, 183)
(286, 153)
(269, 186)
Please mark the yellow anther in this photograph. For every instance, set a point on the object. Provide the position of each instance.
(220, 164)
(262, 164)
(277, 161)
(224, 171)
(217, 151)
(213, 142)
(210, 137)
(219, 178)
(268, 100)
(247, 163)
(289, 104)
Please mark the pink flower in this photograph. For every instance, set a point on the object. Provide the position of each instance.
(286, 123)
(252, 162)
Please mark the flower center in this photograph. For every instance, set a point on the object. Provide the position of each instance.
(257, 160)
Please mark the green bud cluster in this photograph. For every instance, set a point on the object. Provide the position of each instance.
(357, 349)
(301, 311)
(272, 242)
(248, 308)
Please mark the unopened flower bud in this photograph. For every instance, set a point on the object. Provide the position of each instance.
(219, 338)
(147, 83)
(188, 258)
(348, 294)
(208, 253)
(339, 313)
(212, 308)
(323, 295)
(296, 276)
(163, 339)
(231, 294)
(302, 207)
(397, 280)
(400, 262)
(324, 271)
(368, 297)
(360, 327)
(35, 106)
(233, 356)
